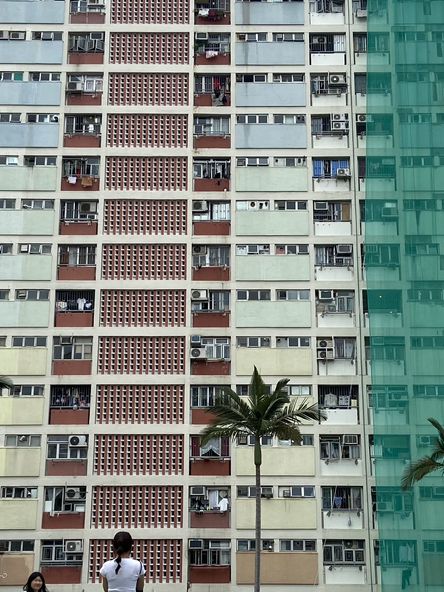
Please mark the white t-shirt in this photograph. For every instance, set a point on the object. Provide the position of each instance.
(126, 579)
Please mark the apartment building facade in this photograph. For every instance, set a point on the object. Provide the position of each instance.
(181, 198)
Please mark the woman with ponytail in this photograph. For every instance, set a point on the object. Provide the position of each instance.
(123, 574)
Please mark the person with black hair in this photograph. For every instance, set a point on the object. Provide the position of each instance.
(36, 583)
(123, 573)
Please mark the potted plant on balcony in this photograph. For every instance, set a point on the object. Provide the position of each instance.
(261, 414)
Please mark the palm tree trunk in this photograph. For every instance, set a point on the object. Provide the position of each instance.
(257, 562)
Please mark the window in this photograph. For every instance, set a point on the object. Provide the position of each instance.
(5, 248)
(65, 499)
(78, 210)
(292, 294)
(428, 390)
(397, 553)
(334, 256)
(76, 255)
(253, 294)
(14, 35)
(70, 397)
(261, 118)
(22, 441)
(244, 545)
(42, 117)
(290, 162)
(252, 249)
(11, 76)
(243, 205)
(2, 341)
(297, 491)
(243, 389)
(211, 169)
(204, 396)
(288, 119)
(18, 492)
(86, 42)
(87, 83)
(253, 342)
(47, 35)
(337, 552)
(284, 342)
(62, 447)
(10, 117)
(16, 546)
(288, 37)
(9, 160)
(340, 447)
(53, 552)
(4, 294)
(341, 498)
(291, 250)
(251, 77)
(7, 204)
(209, 552)
(32, 294)
(302, 545)
(253, 162)
(299, 390)
(381, 255)
(27, 390)
(37, 204)
(216, 348)
(285, 78)
(32, 161)
(44, 76)
(211, 126)
(281, 204)
(251, 37)
(29, 342)
(331, 169)
(218, 301)
(81, 167)
(211, 256)
(72, 348)
(332, 211)
(35, 248)
(250, 491)
(211, 210)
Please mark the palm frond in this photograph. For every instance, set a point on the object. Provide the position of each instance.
(419, 469)
(438, 450)
(5, 383)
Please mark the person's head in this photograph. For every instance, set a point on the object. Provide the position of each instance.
(35, 583)
(122, 544)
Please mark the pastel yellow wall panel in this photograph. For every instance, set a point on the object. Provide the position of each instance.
(291, 461)
(277, 513)
(282, 362)
(20, 514)
(21, 411)
(20, 462)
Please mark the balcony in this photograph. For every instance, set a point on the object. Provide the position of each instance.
(77, 262)
(81, 174)
(211, 174)
(271, 53)
(211, 132)
(212, 90)
(78, 218)
(19, 462)
(334, 263)
(81, 12)
(45, 12)
(21, 410)
(18, 514)
(269, 13)
(279, 569)
(86, 48)
(82, 131)
(66, 468)
(327, 12)
(74, 308)
(212, 12)
(212, 49)
(32, 51)
(30, 135)
(291, 461)
(84, 89)
(28, 178)
(341, 455)
(72, 356)
(211, 509)
(23, 361)
(270, 94)
(69, 404)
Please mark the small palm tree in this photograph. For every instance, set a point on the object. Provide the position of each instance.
(418, 469)
(262, 414)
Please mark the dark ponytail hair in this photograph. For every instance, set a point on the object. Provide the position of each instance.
(32, 577)
(122, 543)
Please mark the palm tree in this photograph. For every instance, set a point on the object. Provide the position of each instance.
(5, 383)
(262, 414)
(422, 467)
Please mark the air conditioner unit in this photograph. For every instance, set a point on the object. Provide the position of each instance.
(96, 36)
(54, 119)
(361, 118)
(344, 249)
(350, 439)
(73, 546)
(331, 308)
(318, 40)
(201, 36)
(46, 36)
(199, 250)
(325, 354)
(197, 490)
(18, 35)
(24, 248)
(389, 212)
(343, 173)
(425, 441)
(78, 441)
(321, 206)
(74, 86)
(65, 340)
(267, 492)
(200, 206)
(21, 294)
(74, 494)
(286, 493)
(195, 340)
(337, 80)
(326, 295)
(198, 353)
(199, 295)
(325, 343)
(300, 118)
(339, 125)
(361, 13)
(339, 117)
(195, 544)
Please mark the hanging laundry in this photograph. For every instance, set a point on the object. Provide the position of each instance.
(87, 181)
(72, 180)
(203, 12)
(211, 54)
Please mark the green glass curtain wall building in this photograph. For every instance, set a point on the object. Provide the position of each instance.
(404, 269)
